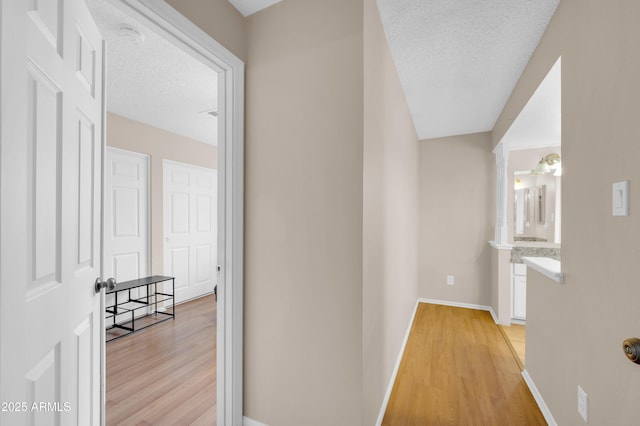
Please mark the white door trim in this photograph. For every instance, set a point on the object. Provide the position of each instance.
(161, 17)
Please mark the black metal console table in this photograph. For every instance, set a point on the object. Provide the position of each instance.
(125, 305)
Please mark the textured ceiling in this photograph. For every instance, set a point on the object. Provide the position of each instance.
(539, 123)
(249, 7)
(459, 60)
(155, 82)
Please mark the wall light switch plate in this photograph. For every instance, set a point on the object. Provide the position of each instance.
(620, 198)
(450, 280)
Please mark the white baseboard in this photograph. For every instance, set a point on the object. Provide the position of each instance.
(387, 395)
(462, 305)
(194, 298)
(493, 314)
(246, 421)
(538, 397)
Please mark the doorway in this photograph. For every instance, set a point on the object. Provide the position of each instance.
(169, 24)
(532, 198)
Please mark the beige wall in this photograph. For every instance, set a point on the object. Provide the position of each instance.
(304, 225)
(456, 215)
(303, 207)
(159, 145)
(575, 330)
(219, 19)
(390, 271)
(550, 327)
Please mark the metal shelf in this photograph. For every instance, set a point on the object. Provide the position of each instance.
(124, 314)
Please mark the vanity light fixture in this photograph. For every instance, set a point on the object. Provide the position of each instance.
(558, 171)
(546, 164)
(517, 184)
(541, 169)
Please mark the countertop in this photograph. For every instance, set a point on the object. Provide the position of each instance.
(546, 266)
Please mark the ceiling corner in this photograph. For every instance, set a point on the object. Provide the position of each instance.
(249, 7)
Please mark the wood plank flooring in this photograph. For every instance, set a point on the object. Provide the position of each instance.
(458, 370)
(166, 374)
(515, 335)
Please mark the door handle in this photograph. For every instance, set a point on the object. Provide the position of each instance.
(110, 284)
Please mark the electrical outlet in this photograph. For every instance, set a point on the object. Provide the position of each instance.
(450, 280)
(583, 404)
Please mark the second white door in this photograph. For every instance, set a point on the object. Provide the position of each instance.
(126, 227)
(190, 233)
(126, 220)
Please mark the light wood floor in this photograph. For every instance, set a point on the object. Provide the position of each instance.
(166, 374)
(458, 370)
(516, 337)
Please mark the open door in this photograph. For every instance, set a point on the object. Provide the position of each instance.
(51, 147)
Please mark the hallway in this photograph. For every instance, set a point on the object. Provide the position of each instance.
(458, 369)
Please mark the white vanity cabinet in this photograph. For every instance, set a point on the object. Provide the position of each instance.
(519, 291)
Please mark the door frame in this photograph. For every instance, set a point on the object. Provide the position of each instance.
(166, 21)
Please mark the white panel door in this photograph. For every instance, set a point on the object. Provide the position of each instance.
(51, 68)
(190, 228)
(126, 215)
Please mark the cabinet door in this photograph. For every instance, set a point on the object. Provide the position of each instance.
(519, 297)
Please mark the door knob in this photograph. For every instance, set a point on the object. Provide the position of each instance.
(631, 348)
(110, 284)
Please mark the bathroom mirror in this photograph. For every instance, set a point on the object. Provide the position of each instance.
(522, 200)
(536, 207)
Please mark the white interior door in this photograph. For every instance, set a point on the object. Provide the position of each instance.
(190, 228)
(126, 218)
(50, 207)
(126, 215)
